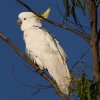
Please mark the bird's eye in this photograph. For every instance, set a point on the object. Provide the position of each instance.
(24, 18)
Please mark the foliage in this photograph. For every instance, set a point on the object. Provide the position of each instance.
(85, 89)
(71, 7)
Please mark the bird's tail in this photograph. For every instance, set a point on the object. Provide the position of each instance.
(65, 83)
(62, 76)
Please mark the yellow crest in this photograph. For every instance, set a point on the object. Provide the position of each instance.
(46, 13)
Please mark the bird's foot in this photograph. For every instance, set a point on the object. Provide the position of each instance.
(36, 70)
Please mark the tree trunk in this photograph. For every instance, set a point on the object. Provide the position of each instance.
(95, 42)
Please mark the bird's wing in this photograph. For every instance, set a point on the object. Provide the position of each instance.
(46, 52)
(58, 68)
(62, 52)
(57, 45)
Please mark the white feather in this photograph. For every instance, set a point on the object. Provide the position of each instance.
(45, 50)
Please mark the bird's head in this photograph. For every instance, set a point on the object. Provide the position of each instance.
(28, 19)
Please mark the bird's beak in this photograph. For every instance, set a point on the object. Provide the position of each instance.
(19, 22)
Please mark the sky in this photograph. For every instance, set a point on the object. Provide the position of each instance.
(13, 69)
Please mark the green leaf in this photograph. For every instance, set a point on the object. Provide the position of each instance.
(65, 3)
(67, 6)
(72, 12)
(88, 91)
(79, 4)
(86, 4)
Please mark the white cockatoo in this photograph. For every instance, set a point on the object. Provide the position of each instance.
(44, 50)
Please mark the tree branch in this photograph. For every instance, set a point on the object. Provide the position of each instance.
(95, 42)
(79, 33)
(40, 72)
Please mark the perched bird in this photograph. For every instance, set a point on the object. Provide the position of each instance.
(44, 50)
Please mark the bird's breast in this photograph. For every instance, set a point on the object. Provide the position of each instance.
(36, 39)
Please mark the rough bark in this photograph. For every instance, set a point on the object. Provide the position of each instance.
(95, 42)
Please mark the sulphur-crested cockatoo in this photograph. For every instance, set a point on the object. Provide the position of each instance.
(44, 50)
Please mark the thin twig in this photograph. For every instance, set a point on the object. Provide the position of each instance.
(80, 59)
(33, 94)
(75, 31)
(71, 22)
(39, 71)
(38, 86)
